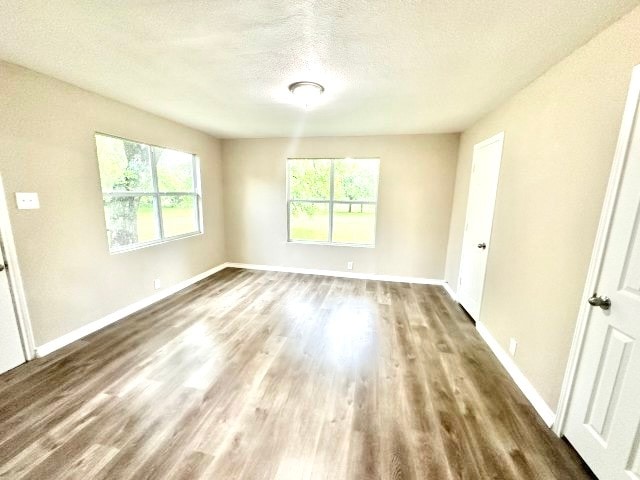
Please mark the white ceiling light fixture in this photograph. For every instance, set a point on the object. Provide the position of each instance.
(306, 93)
(375, 84)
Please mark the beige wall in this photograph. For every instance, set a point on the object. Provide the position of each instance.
(47, 146)
(415, 193)
(560, 136)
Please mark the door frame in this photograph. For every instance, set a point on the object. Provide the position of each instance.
(15, 278)
(499, 137)
(631, 111)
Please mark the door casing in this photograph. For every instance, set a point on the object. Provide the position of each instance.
(15, 278)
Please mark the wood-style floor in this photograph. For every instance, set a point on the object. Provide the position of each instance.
(263, 375)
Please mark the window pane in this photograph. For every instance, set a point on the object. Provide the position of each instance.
(309, 221)
(124, 166)
(354, 223)
(174, 170)
(179, 215)
(130, 220)
(309, 179)
(356, 179)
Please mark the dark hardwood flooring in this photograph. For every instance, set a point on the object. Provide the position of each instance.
(263, 375)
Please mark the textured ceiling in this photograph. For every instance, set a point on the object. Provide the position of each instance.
(391, 66)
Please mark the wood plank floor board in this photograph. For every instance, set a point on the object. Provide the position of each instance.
(270, 375)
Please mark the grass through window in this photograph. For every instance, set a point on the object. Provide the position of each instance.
(333, 200)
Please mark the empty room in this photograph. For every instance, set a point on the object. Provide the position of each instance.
(345, 240)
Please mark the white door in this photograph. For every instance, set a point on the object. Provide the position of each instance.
(483, 187)
(11, 353)
(603, 420)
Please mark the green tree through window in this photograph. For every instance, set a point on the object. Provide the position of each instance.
(150, 193)
(322, 194)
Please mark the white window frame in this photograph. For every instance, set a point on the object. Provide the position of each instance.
(157, 198)
(331, 202)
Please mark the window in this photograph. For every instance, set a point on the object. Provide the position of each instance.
(332, 200)
(150, 193)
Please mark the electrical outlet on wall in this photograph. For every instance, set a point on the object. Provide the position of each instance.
(27, 201)
(513, 345)
(349, 265)
(157, 284)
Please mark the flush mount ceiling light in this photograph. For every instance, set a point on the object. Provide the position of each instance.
(306, 93)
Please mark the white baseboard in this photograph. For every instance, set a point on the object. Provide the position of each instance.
(529, 391)
(450, 291)
(516, 374)
(338, 273)
(96, 325)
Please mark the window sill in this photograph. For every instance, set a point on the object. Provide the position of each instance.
(330, 244)
(139, 246)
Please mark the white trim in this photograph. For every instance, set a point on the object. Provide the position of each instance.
(529, 391)
(602, 237)
(338, 273)
(15, 278)
(331, 244)
(450, 291)
(96, 325)
(495, 138)
(151, 243)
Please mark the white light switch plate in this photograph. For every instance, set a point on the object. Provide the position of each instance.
(27, 200)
